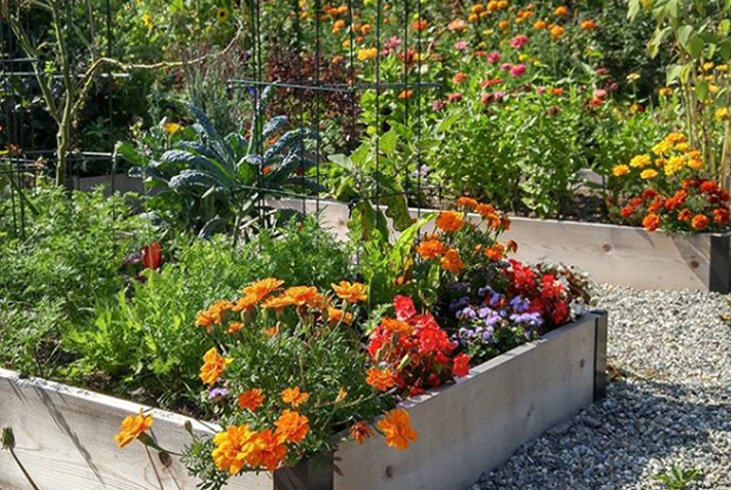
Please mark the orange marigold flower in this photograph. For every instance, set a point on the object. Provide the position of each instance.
(235, 327)
(397, 326)
(263, 288)
(132, 427)
(278, 303)
(450, 221)
(397, 429)
(699, 222)
(361, 431)
(271, 450)
(496, 252)
(291, 427)
(451, 262)
(467, 202)
(351, 292)
(336, 315)
(651, 222)
(431, 249)
(380, 379)
(294, 397)
(213, 366)
(235, 447)
(251, 399)
(305, 295)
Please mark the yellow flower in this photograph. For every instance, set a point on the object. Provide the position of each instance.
(366, 54)
(132, 427)
(648, 173)
(640, 161)
(620, 170)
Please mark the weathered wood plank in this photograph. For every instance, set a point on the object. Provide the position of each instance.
(478, 423)
(64, 438)
(609, 253)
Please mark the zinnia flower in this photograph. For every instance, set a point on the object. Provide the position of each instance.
(251, 399)
(397, 429)
(450, 221)
(351, 292)
(132, 427)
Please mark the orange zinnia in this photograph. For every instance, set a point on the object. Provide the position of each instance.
(261, 289)
(132, 427)
(397, 429)
(361, 431)
(251, 399)
(294, 397)
(380, 379)
(213, 366)
(291, 427)
(451, 262)
(450, 221)
(431, 249)
(351, 292)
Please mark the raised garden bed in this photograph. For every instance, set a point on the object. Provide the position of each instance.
(64, 434)
(611, 254)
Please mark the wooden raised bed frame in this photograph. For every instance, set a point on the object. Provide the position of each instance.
(611, 254)
(64, 434)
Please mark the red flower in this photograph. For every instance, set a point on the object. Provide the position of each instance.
(152, 255)
(461, 365)
(404, 307)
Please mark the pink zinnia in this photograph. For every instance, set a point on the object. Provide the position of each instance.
(519, 41)
(456, 97)
(460, 45)
(493, 57)
(518, 70)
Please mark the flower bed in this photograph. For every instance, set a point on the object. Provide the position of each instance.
(612, 254)
(64, 434)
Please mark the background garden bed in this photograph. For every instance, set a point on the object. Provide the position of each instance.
(64, 434)
(611, 254)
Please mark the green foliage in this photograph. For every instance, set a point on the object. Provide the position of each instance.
(678, 478)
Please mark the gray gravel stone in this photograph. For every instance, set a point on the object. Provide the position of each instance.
(668, 404)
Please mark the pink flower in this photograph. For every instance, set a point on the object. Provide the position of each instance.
(460, 45)
(519, 41)
(518, 70)
(493, 57)
(599, 94)
(438, 105)
(506, 66)
(456, 97)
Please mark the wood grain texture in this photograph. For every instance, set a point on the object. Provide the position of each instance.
(64, 438)
(478, 423)
(611, 254)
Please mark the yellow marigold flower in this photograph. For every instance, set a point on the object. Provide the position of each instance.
(648, 173)
(263, 288)
(450, 221)
(721, 114)
(351, 292)
(620, 170)
(397, 429)
(366, 54)
(640, 161)
(213, 366)
(674, 164)
(294, 397)
(557, 32)
(451, 261)
(561, 11)
(132, 427)
(236, 447)
(291, 427)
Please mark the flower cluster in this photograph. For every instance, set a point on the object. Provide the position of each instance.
(667, 189)
(412, 352)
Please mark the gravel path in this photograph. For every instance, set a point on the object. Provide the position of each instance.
(668, 405)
